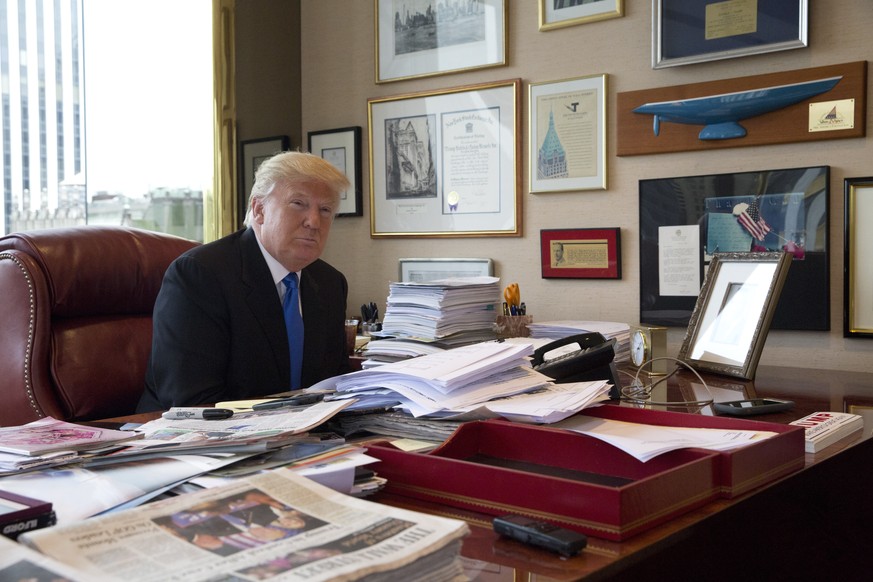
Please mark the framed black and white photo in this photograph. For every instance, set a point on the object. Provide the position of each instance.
(695, 31)
(561, 13)
(342, 148)
(420, 38)
(731, 318)
(252, 153)
(422, 270)
(446, 163)
(858, 276)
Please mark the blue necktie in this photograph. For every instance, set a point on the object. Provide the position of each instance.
(294, 326)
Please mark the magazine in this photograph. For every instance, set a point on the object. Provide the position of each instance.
(822, 429)
(48, 435)
(272, 526)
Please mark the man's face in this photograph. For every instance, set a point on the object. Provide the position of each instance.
(293, 222)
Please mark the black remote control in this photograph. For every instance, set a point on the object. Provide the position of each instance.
(541, 534)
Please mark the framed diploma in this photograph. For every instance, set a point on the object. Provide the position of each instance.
(342, 148)
(858, 277)
(252, 153)
(567, 135)
(696, 31)
(581, 253)
(446, 163)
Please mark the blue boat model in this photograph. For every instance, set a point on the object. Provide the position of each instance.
(720, 114)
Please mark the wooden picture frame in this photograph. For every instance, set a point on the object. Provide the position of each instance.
(567, 133)
(581, 253)
(560, 13)
(422, 270)
(857, 275)
(690, 31)
(422, 38)
(252, 153)
(446, 163)
(731, 318)
(683, 221)
(342, 148)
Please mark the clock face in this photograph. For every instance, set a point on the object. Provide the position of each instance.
(638, 348)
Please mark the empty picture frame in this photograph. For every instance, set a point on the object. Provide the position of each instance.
(732, 316)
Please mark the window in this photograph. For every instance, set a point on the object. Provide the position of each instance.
(107, 114)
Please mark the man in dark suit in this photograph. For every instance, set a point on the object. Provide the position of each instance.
(219, 330)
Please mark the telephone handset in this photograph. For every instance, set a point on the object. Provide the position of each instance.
(591, 358)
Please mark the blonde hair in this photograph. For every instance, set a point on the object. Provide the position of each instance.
(295, 168)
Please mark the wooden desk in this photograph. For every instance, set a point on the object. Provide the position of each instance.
(813, 524)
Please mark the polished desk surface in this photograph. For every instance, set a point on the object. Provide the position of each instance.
(722, 539)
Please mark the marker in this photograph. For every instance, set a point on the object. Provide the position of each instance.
(197, 414)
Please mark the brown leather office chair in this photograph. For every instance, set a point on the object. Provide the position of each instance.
(76, 327)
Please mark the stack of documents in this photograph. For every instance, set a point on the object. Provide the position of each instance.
(436, 310)
(560, 329)
(484, 380)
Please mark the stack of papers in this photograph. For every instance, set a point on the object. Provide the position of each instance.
(609, 329)
(438, 309)
(485, 380)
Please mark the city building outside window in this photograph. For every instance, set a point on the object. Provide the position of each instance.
(106, 115)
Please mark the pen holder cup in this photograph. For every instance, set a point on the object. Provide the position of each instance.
(513, 325)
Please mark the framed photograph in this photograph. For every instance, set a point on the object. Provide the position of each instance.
(567, 132)
(561, 13)
(685, 220)
(691, 31)
(421, 270)
(581, 253)
(252, 153)
(421, 38)
(858, 277)
(342, 148)
(445, 163)
(732, 316)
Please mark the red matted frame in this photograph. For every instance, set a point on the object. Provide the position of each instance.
(581, 253)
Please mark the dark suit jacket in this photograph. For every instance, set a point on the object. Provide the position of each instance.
(219, 331)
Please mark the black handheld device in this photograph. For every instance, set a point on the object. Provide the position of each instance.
(752, 406)
(541, 534)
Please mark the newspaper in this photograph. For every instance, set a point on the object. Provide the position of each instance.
(18, 562)
(272, 526)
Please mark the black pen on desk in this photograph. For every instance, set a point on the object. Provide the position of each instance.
(300, 400)
(188, 413)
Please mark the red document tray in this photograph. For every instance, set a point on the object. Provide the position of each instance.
(573, 480)
(739, 470)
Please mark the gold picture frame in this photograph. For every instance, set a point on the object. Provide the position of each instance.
(560, 13)
(730, 322)
(446, 163)
(423, 38)
(858, 279)
(567, 134)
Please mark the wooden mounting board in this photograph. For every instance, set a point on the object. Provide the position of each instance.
(787, 125)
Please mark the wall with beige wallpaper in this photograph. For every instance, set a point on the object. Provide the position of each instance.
(337, 73)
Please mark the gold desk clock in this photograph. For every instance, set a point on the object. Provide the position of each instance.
(646, 343)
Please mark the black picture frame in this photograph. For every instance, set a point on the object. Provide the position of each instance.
(342, 147)
(793, 201)
(252, 153)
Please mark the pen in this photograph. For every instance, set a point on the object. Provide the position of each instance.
(180, 413)
(300, 400)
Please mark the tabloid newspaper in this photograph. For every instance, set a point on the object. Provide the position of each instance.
(273, 526)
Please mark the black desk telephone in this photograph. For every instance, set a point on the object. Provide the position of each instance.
(592, 360)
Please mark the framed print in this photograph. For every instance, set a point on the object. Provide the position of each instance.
(421, 270)
(581, 253)
(342, 148)
(858, 277)
(695, 31)
(685, 221)
(732, 316)
(567, 132)
(445, 163)
(252, 153)
(421, 38)
(561, 13)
